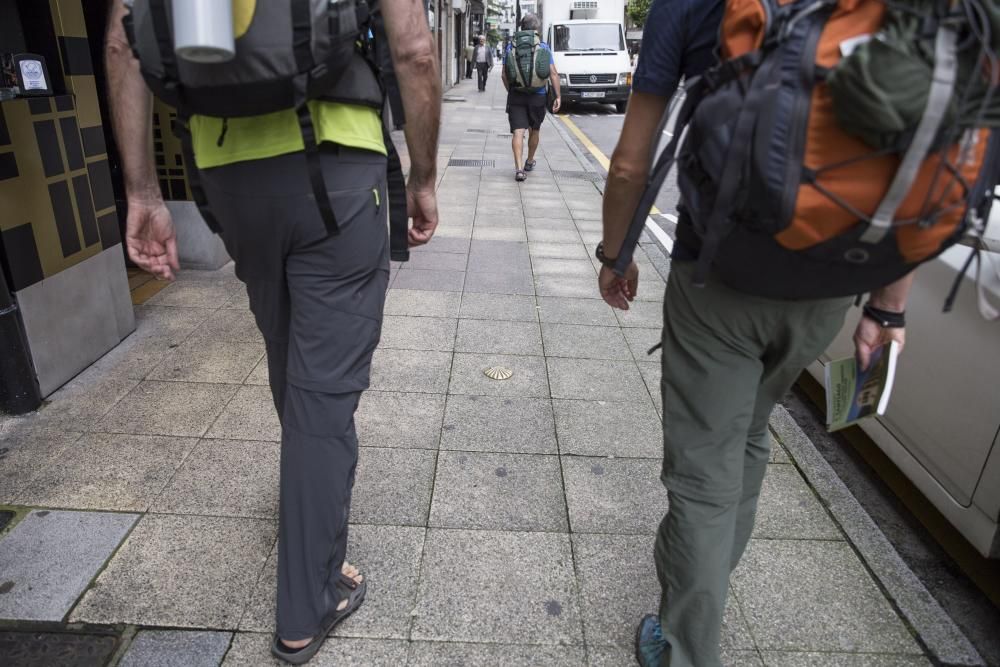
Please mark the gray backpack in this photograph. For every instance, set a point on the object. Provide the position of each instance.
(290, 51)
(287, 53)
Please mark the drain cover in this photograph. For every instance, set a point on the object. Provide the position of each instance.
(470, 163)
(498, 373)
(5, 517)
(44, 649)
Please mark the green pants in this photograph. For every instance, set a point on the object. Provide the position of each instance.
(727, 359)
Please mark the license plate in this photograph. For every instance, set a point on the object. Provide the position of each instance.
(592, 93)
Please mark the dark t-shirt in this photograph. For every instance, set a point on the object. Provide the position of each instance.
(680, 40)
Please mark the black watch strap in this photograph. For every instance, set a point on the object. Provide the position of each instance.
(887, 319)
(604, 259)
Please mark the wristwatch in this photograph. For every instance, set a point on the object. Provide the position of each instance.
(609, 262)
(887, 319)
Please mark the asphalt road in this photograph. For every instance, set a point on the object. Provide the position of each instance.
(971, 610)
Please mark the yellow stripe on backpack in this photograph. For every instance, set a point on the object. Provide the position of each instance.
(243, 11)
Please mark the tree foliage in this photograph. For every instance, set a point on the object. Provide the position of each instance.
(638, 10)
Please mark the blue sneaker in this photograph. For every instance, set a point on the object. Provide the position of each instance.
(649, 642)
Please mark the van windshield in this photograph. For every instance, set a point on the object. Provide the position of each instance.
(588, 37)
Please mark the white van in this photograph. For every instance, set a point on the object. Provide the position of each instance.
(592, 61)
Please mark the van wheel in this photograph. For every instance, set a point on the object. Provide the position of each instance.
(621, 106)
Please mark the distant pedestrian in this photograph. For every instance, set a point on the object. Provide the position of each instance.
(484, 62)
(470, 54)
(526, 64)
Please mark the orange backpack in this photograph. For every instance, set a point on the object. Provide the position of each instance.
(785, 201)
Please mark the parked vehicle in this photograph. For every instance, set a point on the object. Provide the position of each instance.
(587, 39)
(942, 428)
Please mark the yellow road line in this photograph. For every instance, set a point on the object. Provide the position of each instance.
(585, 140)
(591, 146)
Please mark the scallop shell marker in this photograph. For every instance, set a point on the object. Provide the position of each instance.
(498, 373)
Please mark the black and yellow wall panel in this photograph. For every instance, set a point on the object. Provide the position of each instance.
(60, 243)
(168, 154)
(58, 202)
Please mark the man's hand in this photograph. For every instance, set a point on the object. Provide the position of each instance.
(150, 238)
(421, 206)
(556, 105)
(869, 335)
(617, 291)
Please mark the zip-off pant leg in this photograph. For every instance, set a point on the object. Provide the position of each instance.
(317, 300)
(727, 358)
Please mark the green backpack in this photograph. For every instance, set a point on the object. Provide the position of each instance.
(527, 64)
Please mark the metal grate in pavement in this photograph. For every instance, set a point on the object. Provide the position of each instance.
(43, 649)
(470, 163)
(579, 175)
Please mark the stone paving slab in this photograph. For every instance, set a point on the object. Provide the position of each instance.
(609, 616)
(176, 648)
(492, 337)
(250, 415)
(181, 571)
(596, 380)
(816, 595)
(410, 371)
(379, 424)
(506, 586)
(452, 654)
(499, 307)
(418, 333)
(422, 303)
(169, 408)
(529, 379)
(788, 659)
(584, 342)
(25, 452)
(225, 478)
(788, 509)
(498, 492)
(614, 495)
(495, 424)
(49, 558)
(253, 650)
(393, 486)
(592, 312)
(107, 471)
(603, 428)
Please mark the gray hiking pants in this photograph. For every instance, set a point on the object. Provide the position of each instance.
(727, 359)
(318, 302)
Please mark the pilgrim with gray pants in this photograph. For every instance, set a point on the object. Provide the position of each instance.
(317, 300)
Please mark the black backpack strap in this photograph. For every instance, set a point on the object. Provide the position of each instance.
(182, 130)
(164, 43)
(399, 227)
(694, 92)
(315, 168)
(718, 224)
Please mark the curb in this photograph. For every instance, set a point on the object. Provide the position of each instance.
(932, 624)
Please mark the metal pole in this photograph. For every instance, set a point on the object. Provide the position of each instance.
(19, 391)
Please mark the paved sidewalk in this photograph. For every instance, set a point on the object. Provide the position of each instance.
(500, 522)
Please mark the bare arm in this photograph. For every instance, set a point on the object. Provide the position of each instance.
(869, 335)
(149, 233)
(413, 56)
(626, 179)
(554, 80)
(131, 110)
